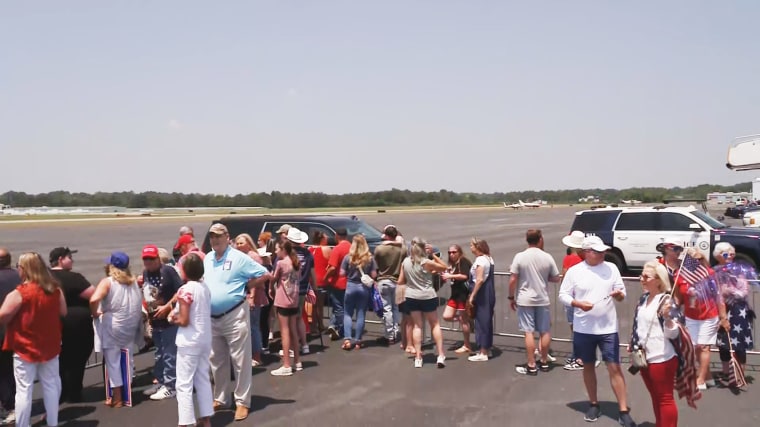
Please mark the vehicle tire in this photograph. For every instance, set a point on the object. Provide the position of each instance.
(616, 258)
(746, 259)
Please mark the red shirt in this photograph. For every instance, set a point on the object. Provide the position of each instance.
(693, 307)
(320, 264)
(35, 331)
(336, 258)
(571, 260)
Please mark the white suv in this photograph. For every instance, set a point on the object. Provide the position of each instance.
(634, 232)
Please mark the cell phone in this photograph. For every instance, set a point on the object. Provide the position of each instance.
(633, 370)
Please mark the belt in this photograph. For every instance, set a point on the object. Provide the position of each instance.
(219, 316)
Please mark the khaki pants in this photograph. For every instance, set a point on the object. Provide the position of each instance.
(231, 347)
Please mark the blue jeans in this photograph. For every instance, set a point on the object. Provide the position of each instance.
(387, 290)
(165, 368)
(337, 297)
(357, 298)
(256, 343)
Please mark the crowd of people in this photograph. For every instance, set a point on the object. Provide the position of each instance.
(210, 316)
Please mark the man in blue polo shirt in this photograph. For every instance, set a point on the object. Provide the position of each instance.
(229, 274)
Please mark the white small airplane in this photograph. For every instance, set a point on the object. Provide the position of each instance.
(529, 205)
(631, 202)
(513, 206)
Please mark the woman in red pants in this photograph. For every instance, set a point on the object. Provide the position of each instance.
(652, 331)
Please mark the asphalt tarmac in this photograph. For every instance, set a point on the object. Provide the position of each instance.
(377, 386)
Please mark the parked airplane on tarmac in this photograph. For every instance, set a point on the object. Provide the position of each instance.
(631, 202)
(513, 206)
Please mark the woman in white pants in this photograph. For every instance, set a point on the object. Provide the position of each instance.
(33, 314)
(193, 344)
(117, 304)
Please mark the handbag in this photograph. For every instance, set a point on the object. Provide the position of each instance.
(377, 302)
(311, 297)
(639, 355)
(366, 279)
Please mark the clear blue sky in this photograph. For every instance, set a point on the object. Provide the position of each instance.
(350, 96)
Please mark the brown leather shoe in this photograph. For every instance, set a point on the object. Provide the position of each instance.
(218, 406)
(241, 413)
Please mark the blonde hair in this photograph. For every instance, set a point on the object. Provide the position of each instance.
(164, 256)
(248, 240)
(662, 274)
(35, 271)
(124, 276)
(417, 252)
(359, 253)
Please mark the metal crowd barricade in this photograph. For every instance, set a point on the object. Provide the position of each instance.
(505, 320)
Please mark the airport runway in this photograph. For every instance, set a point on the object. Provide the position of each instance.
(377, 386)
(503, 229)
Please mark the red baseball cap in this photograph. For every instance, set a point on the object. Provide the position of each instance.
(150, 251)
(183, 240)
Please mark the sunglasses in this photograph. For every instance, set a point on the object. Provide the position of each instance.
(647, 277)
(728, 255)
(675, 248)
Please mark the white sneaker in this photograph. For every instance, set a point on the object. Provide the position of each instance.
(299, 367)
(480, 357)
(417, 363)
(255, 363)
(152, 389)
(549, 356)
(163, 393)
(441, 361)
(290, 353)
(282, 372)
(9, 419)
(305, 349)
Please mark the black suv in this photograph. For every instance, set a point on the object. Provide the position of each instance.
(255, 225)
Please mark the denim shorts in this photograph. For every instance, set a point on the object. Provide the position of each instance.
(585, 345)
(423, 305)
(534, 319)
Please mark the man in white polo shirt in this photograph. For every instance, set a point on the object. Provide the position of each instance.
(229, 274)
(590, 288)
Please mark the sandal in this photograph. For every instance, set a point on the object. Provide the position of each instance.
(463, 349)
(346, 345)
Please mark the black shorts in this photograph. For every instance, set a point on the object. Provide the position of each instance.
(402, 308)
(423, 305)
(287, 312)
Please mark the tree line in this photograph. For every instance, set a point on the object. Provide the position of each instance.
(393, 197)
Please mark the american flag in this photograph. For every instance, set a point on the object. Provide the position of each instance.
(692, 270)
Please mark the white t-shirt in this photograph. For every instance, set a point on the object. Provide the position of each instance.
(195, 338)
(657, 347)
(592, 284)
(533, 268)
(484, 261)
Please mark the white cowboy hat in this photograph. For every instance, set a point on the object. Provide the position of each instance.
(574, 239)
(297, 236)
(263, 252)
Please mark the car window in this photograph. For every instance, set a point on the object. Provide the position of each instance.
(712, 222)
(670, 221)
(637, 221)
(307, 227)
(311, 228)
(370, 233)
(590, 222)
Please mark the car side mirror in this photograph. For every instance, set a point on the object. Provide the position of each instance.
(695, 226)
